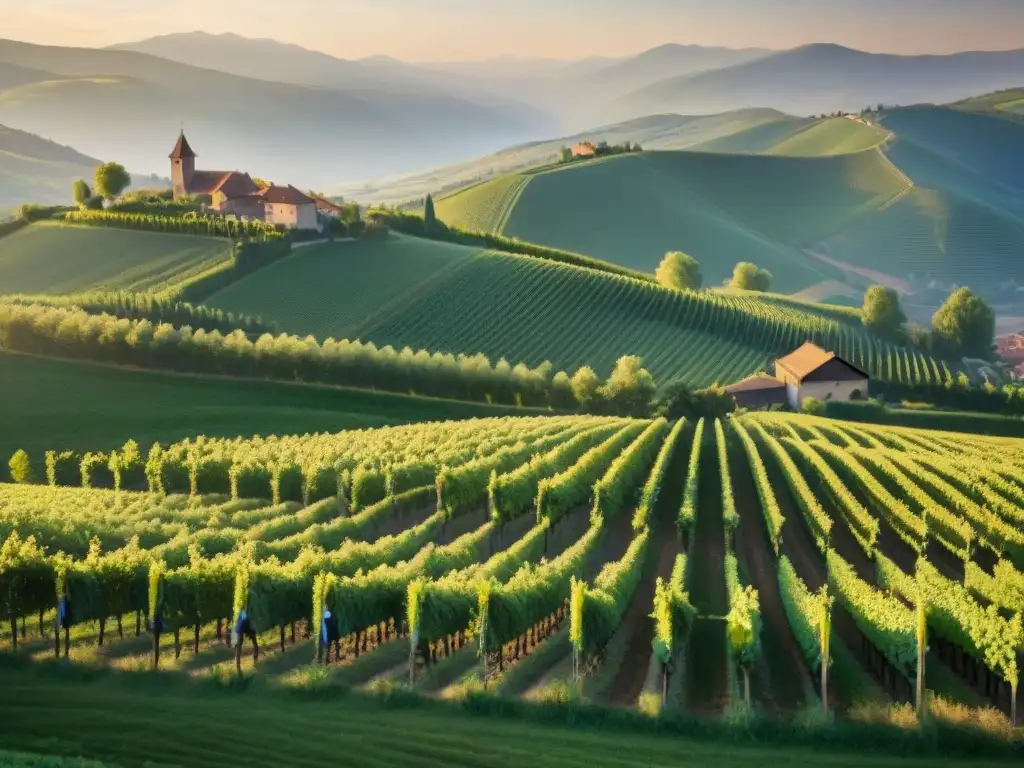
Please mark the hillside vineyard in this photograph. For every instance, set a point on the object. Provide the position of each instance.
(518, 552)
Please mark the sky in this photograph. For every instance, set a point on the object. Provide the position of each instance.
(455, 30)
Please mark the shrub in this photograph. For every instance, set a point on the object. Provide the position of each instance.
(814, 406)
(21, 468)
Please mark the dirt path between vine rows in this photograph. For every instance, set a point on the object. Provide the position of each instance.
(781, 681)
(631, 675)
(707, 677)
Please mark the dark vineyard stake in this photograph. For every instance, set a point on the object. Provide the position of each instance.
(67, 640)
(282, 638)
(138, 623)
(103, 626)
(120, 628)
(177, 643)
(14, 633)
(156, 648)
(195, 643)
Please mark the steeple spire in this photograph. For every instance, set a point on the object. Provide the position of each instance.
(181, 149)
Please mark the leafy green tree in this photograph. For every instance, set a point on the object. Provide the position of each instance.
(965, 325)
(882, 311)
(630, 388)
(80, 192)
(21, 468)
(676, 400)
(813, 406)
(562, 395)
(565, 155)
(750, 277)
(429, 217)
(680, 271)
(585, 383)
(111, 179)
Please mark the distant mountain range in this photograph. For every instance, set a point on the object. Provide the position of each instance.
(824, 78)
(294, 115)
(129, 106)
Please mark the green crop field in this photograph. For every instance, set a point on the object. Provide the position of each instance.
(531, 310)
(719, 208)
(550, 557)
(50, 258)
(326, 290)
(484, 207)
(836, 136)
(51, 403)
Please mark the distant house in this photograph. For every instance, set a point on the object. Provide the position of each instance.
(235, 193)
(810, 371)
(327, 208)
(584, 149)
(288, 207)
(758, 391)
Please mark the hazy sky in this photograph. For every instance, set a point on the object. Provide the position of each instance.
(473, 29)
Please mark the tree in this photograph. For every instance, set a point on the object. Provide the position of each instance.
(80, 192)
(965, 325)
(585, 384)
(680, 271)
(630, 388)
(111, 179)
(21, 468)
(750, 277)
(676, 400)
(882, 311)
(261, 183)
(564, 155)
(429, 217)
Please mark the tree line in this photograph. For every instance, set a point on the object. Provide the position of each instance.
(74, 333)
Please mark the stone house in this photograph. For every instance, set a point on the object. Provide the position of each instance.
(810, 371)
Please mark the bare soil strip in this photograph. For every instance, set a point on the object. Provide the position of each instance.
(707, 678)
(781, 682)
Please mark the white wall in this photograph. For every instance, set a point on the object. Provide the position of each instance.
(826, 391)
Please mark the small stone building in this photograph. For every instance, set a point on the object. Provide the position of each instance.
(758, 391)
(584, 149)
(810, 371)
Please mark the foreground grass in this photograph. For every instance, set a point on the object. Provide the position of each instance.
(159, 719)
(49, 404)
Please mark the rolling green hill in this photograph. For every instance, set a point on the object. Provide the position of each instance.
(719, 208)
(449, 298)
(50, 258)
(37, 170)
(835, 136)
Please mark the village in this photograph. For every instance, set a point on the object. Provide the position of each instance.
(234, 193)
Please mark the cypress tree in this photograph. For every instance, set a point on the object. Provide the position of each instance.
(429, 217)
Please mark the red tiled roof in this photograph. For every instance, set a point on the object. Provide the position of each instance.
(326, 205)
(230, 183)
(808, 358)
(758, 381)
(284, 195)
(181, 149)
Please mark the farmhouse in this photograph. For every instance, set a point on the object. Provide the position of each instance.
(810, 371)
(235, 193)
(584, 149)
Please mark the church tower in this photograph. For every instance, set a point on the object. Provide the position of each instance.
(183, 166)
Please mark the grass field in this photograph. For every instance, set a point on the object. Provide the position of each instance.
(799, 501)
(50, 258)
(50, 404)
(201, 726)
(719, 208)
(835, 136)
(408, 292)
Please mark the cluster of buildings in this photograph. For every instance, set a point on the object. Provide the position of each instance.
(235, 193)
(807, 372)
